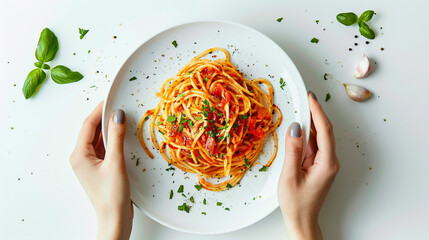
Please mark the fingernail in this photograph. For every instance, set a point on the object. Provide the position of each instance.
(313, 95)
(295, 130)
(119, 116)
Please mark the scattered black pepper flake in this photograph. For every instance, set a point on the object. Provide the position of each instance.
(328, 96)
(356, 44)
(350, 49)
(382, 49)
(356, 36)
(114, 37)
(367, 42)
(74, 53)
(384, 120)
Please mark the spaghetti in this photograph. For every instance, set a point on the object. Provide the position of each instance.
(213, 121)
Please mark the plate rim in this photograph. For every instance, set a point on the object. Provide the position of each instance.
(106, 116)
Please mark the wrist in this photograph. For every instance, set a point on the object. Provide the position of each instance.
(302, 227)
(114, 226)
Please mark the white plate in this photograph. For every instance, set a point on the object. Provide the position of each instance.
(157, 59)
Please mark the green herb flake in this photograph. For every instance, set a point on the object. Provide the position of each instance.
(228, 185)
(137, 161)
(220, 114)
(174, 43)
(146, 118)
(282, 85)
(263, 169)
(190, 123)
(246, 162)
(198, 187)
(181, 126)
(82, 32)
(206, 79)
(89, 51)
(205, 201)
(93, 86)
(204, 213)
(180, 190)
(170, 168)
(221, 155)
(183, 195)
(243, 116)
(133, 78)
(192, 199)
(171, 118)
(219, 204)
(328, 96)
(314, 40)
(184, 207)
(279, 19)
(161, 132)
(171, 194)
(317, 21)
(181, 95)
(198, 118)
(325, 76)
(227, 209)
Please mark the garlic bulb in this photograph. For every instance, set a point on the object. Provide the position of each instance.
(363, 68)
(357, 93)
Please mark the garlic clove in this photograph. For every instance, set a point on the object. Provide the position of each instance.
(363, 68)
(357, 93)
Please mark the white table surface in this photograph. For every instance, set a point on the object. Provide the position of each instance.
(382, 190)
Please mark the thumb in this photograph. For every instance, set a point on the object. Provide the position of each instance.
(293, 152)
(115, 136)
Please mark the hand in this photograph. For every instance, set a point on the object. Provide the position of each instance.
(103, 174)
(304, 186)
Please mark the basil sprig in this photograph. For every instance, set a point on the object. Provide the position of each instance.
(351, 18)
(33, 81)
(47, 48)
(62, 74)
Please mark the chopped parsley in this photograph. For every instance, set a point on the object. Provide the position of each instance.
(198, 187)
(198, 118)
(89, 51)
(328, 96)
(183, 195)
(133, 78)
(282, 83)
(146, 118)
(219, 204)
(243, 116)
(246, 162)
(263, 169)
(93, 86)
(317, 21)
(174, 43)
(205, 201)
(180, 190)
(235, 125)
(206, 79)
(227, 209)
(228, 185)
(204, 213)
(279, 19)
(220, 114)
(171, 118)
(182, 119)
(171, 193)
(170, 168)
(159, 123)
(181, 126)
(181, 95)
(137, 161)
(192, 199)
(229, 135)
(82, 33)
(325, 76)
(161, 132)
(220, 155)
(224, 127)
(184, 207)
(314, 40)
(220, 138)
(190, 123)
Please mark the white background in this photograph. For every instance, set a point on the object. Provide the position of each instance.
(382, 190)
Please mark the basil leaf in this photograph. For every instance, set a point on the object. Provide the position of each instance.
(62, 75)
(347, 18)
(47, 46)
(82, 32)
(366, 31)
(366, 16)
(171, 118)
(42, 65)
(33, 81)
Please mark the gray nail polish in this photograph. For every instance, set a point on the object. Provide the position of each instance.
(119, 116)
(313, 95)
(295, 130)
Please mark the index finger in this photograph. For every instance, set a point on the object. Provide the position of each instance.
(89, 126)
(324, 130)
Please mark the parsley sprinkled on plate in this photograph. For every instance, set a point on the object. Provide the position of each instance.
(279, 19)
(314, 40)
(198, 187)
(82, 33)
(180, 190)
(174, 43)
(263, 169)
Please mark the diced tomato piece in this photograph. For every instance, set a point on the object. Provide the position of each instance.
(220, 92)
(255, 129)
(172, 129)
(211, 145)
(263, 113)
